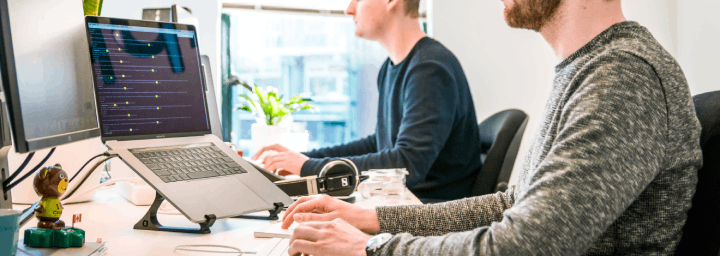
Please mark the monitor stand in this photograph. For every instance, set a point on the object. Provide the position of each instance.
(5, 145)
(6, 197)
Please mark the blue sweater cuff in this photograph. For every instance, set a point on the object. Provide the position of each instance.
(313, 166)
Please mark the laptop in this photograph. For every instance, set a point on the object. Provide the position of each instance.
(153, 113)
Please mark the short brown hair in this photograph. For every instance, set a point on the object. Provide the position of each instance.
(412, 8)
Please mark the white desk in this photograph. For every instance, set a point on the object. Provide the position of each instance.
(110, 217)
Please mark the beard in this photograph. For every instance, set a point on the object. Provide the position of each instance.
(531, 14)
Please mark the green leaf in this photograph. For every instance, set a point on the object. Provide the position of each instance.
(244, 107)
(297, 100)
(249, 100)
(92, 7)
(262, 96)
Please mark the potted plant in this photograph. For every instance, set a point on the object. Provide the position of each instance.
(273, 115)
(92, 7)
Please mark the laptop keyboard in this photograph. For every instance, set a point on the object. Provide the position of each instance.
(187, 162)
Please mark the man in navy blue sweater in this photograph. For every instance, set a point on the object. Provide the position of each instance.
(426, 118)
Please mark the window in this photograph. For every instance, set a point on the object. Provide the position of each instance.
(301, 51)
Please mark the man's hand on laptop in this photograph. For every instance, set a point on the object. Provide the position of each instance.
(326, 208)
(276, 158)
(274, 147)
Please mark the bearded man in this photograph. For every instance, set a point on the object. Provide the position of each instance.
(612, 170)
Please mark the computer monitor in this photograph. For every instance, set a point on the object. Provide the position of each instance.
(46, 77)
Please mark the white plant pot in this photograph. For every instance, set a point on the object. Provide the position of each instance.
(264, 135)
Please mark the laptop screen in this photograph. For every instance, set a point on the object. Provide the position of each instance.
(148, 79)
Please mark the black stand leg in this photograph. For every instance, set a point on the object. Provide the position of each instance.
(150, 221)
(273, 213)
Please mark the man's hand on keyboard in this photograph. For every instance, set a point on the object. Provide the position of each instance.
(275, 147)
(336, 237)
(326, 208)
(276, 158)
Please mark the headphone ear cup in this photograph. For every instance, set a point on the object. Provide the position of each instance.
(341, 167)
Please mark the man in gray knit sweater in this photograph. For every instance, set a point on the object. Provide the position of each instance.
(612, 170)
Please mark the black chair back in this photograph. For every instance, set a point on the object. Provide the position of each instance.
(500, 137)
(701, 234)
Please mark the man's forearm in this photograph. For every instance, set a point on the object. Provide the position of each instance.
(454, 216)
(355, 148)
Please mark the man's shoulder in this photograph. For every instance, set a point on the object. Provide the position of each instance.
(431, 52)
(631, 50)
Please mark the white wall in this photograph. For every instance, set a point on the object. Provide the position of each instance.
(207, 12)
(512, 68)
(699, 43)
(506, 68)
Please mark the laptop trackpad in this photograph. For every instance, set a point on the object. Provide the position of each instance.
(234, 198)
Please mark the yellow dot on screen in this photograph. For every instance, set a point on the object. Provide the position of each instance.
(114, 105)
(131, 129)
(153, 70)
(121, 61)
(127, 102)
(119, 49)
(125, 88)
(158, 108)
(155, 96)
(111, 78)
(106, 50)
(157, 122)
(156, 82)
(123, 75)
(148, 44)
(128, 115)
(153, 56)
(117, 34)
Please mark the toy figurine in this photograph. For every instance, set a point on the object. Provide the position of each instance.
(50, 183)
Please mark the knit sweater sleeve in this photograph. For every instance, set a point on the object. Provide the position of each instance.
(452, 216)
(609, 146)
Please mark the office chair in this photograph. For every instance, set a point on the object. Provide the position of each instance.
(701, 234)
(500, 137)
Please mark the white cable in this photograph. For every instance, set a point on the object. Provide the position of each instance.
(188, 248)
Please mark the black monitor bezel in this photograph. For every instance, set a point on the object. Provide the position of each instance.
(149, 24)
(12, 97)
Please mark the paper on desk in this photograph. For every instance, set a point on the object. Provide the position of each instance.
(276, 230)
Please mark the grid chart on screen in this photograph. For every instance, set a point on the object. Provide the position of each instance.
(148, 80)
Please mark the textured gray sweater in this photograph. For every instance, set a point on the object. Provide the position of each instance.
(612, 170)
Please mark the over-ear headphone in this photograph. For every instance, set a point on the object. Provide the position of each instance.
(337, 178)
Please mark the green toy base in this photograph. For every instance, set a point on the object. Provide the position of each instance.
(46, 238)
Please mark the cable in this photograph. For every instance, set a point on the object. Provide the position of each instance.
(22, 166)
(86, 163)
(105, 184)
(107, 172)
(87, 175)
(190, 246)
(31, 171)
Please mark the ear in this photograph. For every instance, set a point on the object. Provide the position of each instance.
(394, 6)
